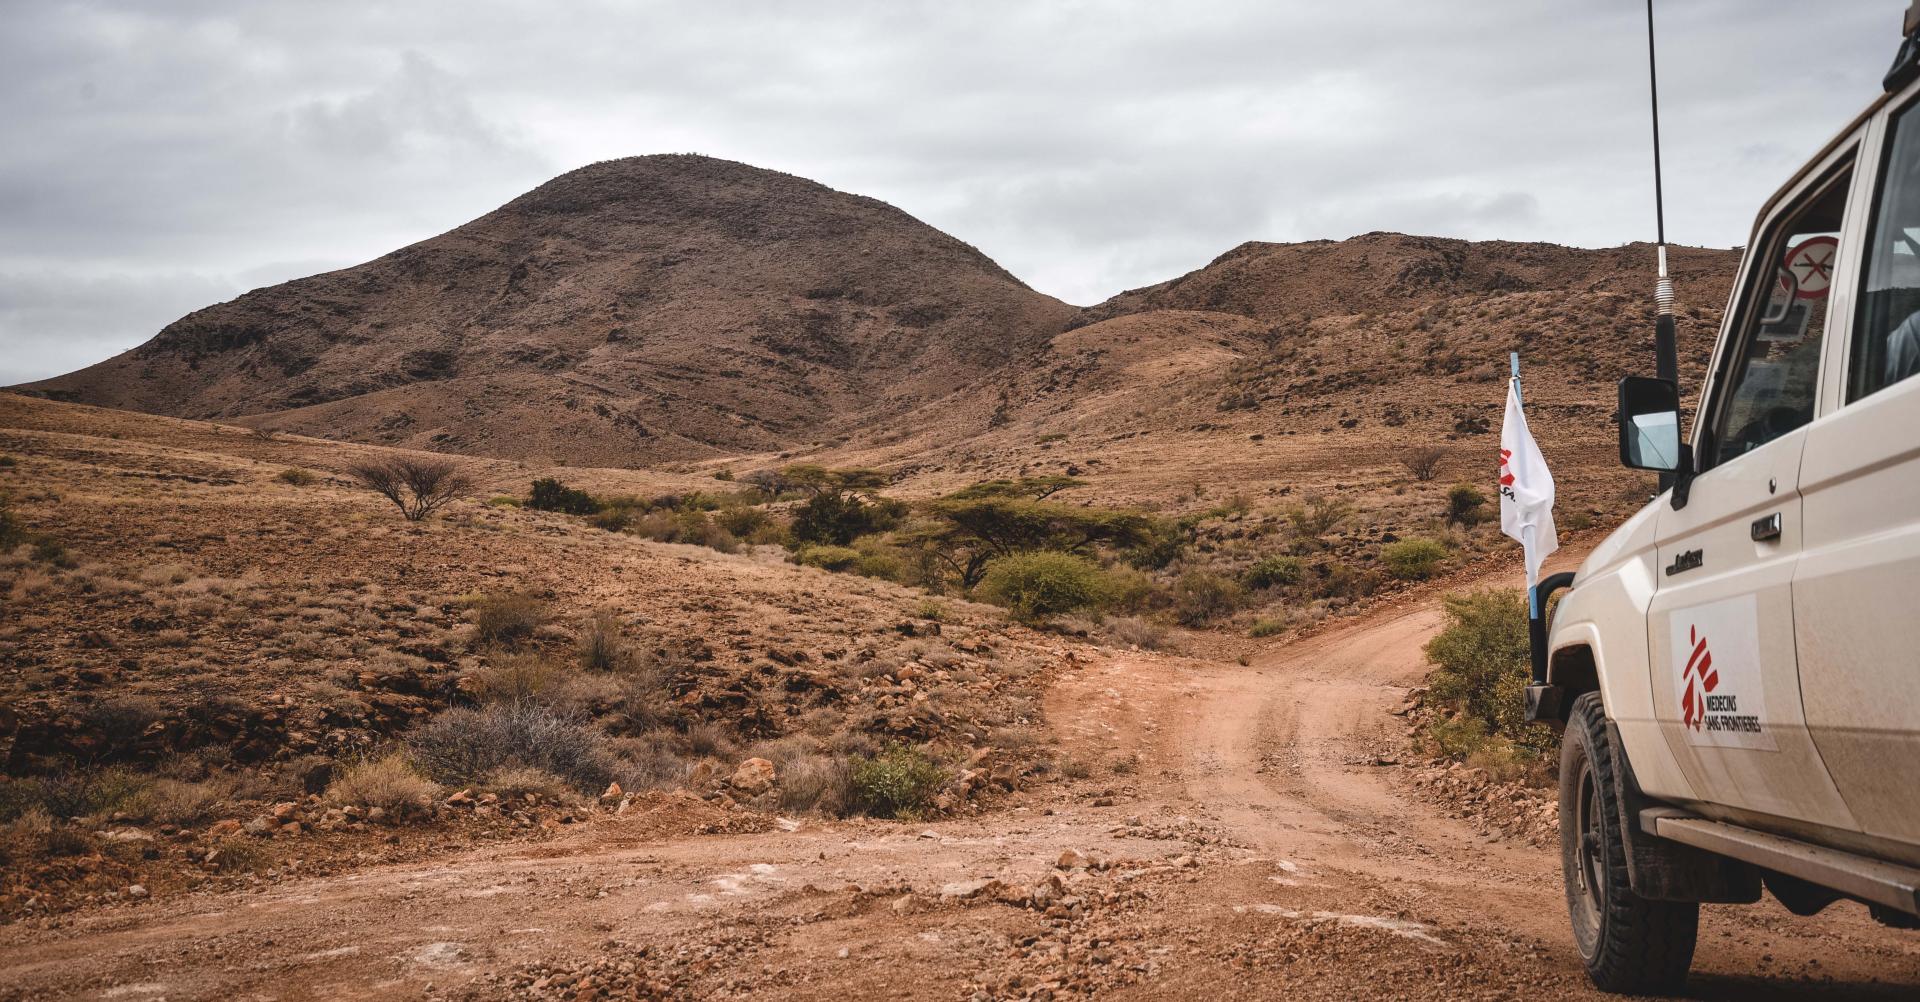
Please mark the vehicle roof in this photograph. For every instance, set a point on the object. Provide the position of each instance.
(1828, 147)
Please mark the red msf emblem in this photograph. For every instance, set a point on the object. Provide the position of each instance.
(1506, 476)
(1700, 679)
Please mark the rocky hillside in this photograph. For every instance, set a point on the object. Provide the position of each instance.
(1386, 272)
(1313, 367)
(633, 311)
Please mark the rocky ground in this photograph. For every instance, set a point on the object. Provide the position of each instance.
(1240, 818)
(194, 622)
(1243, 835)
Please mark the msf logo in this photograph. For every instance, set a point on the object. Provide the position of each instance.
(1506, 474)
(1699, 679)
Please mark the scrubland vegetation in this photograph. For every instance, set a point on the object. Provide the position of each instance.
(1476, 693)
(1024, 544)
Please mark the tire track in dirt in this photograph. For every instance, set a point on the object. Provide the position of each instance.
(1317, 875)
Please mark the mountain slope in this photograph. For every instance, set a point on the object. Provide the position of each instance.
(636, 310)
(1389, 271)
(1314, 367)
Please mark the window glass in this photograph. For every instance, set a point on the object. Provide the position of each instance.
(1886, 339)
(1774, 373)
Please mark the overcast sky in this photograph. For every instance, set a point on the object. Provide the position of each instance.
(161, 156)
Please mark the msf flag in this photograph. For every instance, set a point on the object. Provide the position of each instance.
(1526, 488)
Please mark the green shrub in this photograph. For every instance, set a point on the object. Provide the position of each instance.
(1200, 597)
(463, 746)
(710, 534)
(1267, 628)
(881, 564)
(1342, 580)
(741, 520)
(1037, 585)
(1163, 547)
(551, 495)
(614, 519)
(1481, 666)
(1464, 504)
(1274, 572)
(1319, 517)
(839, 519)
(690, 526)
(504, 501)
(297, 477)
(1414, 559)
(898, 783)
(828, 558)
(1131, 590)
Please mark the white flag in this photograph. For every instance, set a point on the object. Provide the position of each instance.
(1526, 488)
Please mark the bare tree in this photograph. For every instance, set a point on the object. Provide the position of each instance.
(1423, 461)
(418, 487)
(266, 434)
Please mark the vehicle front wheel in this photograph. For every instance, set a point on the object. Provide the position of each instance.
(1630, 944)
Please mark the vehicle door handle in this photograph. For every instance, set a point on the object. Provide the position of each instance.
(1766, 529)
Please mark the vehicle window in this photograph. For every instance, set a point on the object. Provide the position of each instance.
(1886, 340)
(1774, 372)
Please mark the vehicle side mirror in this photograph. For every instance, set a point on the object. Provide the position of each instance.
(1649, 424)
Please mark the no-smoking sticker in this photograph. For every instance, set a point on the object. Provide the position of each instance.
(1811, 265)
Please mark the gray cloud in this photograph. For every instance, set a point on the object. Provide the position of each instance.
(176, 151)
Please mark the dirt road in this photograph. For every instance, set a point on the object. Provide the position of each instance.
(1232, 836)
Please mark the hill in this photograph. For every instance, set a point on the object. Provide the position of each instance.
(1314, 368)
(633, 311)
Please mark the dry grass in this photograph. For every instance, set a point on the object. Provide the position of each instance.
(517, 782)
(182, 802)
(506, 617)
(819, 783)
(514, 676)
(390, 782)
(1135, 632)
(601, 646)
(464, 746)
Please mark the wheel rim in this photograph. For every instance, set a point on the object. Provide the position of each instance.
(1589, 857)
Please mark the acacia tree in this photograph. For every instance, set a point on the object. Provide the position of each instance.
(1423, 461)
(841, 505)
(418, 487)
(1036, 488)
(966, 533)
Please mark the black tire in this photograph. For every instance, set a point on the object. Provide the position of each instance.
(1630, 944)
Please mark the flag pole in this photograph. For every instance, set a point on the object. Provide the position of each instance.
(1533, 593)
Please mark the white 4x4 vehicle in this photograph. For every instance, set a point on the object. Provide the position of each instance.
(1738, 666)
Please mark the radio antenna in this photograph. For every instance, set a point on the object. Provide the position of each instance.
(1665, 362)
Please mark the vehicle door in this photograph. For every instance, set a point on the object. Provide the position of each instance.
(1721, 640)
(1856, 591)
